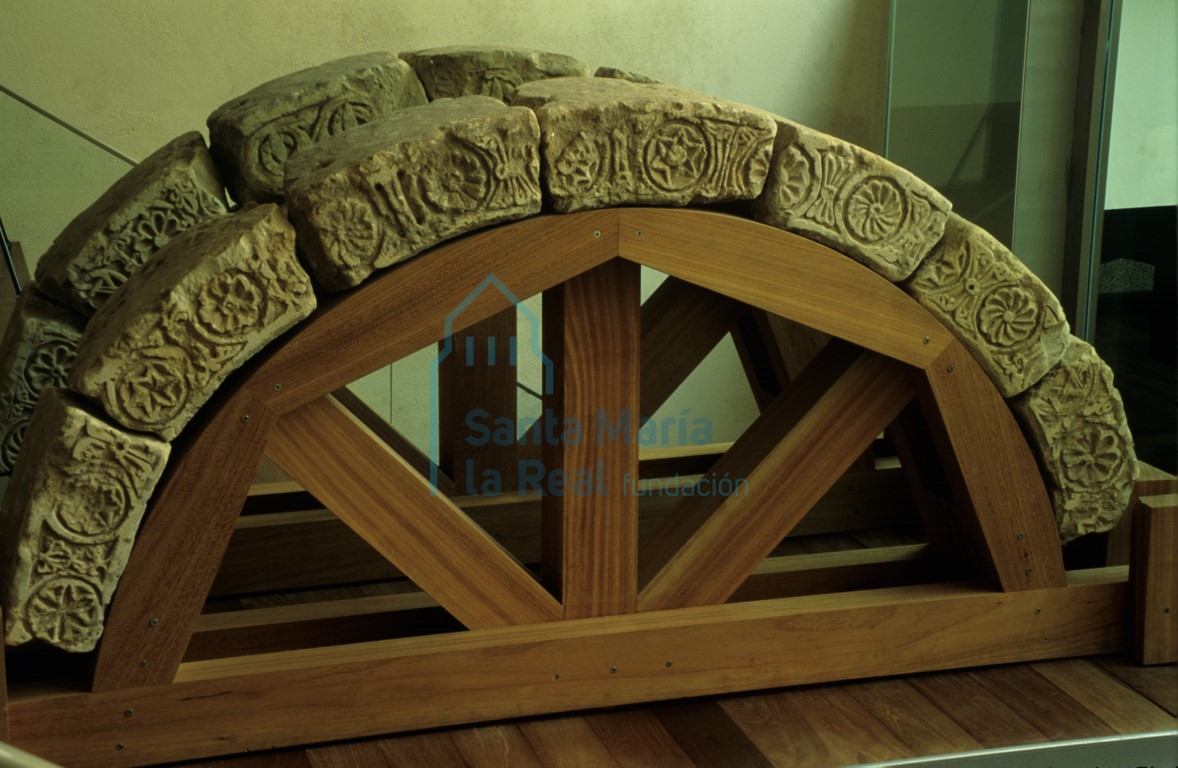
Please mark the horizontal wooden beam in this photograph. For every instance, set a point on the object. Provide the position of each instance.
(269, 700)
(312, 547)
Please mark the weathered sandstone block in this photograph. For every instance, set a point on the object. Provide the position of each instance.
(105, 244)
(69, 521)
(625, 74)
(390, 189)
(851, 200)
(487, 70)
(36, 353)
(613, 142)
(204, 305)
(1001, 312)
(253, 135)
(1075, 422)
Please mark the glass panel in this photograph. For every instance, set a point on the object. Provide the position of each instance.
(50, 175)
(954, 97)
(1136, 323)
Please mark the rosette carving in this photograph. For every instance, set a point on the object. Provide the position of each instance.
(851, 200)
(611, 142)
(379, 194)
(167, 193)
(70, 516)
(1000, 311)
(214, 296)
(1076, 423)
(36, 353)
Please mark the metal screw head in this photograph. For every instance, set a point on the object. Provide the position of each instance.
(277, 387)
(1020, 535)
(613, 670)
(927, 339)
(119, 747)
(638, 233)
(153, 623)
(597, 233)
(1030, 571)
(951, 368)
(556, 677)
(1038, 611)
(143, 663)
(668, 664)
(245, 418)
(128, 712)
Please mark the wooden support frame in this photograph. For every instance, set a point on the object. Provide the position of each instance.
(527, 651)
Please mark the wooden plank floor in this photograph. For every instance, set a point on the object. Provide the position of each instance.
(825, 725)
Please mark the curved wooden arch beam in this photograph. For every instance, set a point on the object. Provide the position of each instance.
(406, 308)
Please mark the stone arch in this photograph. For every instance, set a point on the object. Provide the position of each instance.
(376, 172)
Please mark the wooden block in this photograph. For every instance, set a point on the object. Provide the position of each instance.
(1155, 579)
(590, 520)
(339, 692)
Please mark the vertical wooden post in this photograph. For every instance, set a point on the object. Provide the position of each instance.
(590, 451)
(1154, 574)
(478, 379)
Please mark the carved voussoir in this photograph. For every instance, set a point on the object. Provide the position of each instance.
(393, 188)
(69, 521)
(253, 135)
(609, 141)
(105, 244)
(1075, 421)
(36, 353)
(997, 308)
(206, 303)
(851, 200)
(487, 70)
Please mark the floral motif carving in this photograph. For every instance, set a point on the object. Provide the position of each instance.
(228, 287)
(676, 155)
(580, 163)
(460, 185)
(875, 210)
(1076, 424)
(1003, 313)
(38, 349)
(280, 139)
(64, 612)
(851, 200)
(76, 501)
(392, 190)
(128, 244)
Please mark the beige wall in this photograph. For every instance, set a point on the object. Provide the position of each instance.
(136, 73)
(1143, 141)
